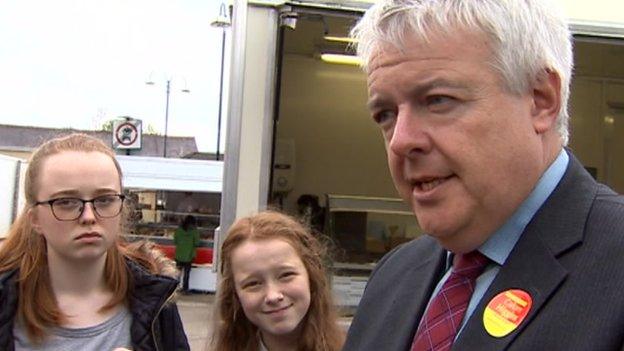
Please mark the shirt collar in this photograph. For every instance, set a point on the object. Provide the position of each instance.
(499, 245)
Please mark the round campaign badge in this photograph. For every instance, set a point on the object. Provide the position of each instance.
(506, 311)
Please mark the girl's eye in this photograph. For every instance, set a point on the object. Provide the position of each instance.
(105, 200)
(67, 203)
(251, 285)
(287, 275)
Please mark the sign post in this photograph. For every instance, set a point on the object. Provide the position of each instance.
(127, 134)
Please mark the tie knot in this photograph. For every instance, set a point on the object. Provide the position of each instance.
(469, 265)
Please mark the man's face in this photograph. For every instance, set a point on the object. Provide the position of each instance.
(462, 150)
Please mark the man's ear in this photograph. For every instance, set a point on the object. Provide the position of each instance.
(546, 101)
(34, 220)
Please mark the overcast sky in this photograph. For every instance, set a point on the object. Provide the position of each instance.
(79, 63)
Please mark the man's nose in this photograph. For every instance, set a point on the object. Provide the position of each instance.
(410, 133)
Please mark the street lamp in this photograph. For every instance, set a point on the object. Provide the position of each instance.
(185, 90)
(222, 21)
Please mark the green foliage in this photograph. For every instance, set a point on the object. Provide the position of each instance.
(107, 126)
(151, 130)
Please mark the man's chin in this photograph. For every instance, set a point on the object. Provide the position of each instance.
(456, 242)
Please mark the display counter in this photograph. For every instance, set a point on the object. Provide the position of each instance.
(164, 223)
(364, 229)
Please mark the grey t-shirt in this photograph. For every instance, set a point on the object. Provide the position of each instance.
(106, 336)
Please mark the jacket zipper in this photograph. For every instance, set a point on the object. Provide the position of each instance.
(156, 317)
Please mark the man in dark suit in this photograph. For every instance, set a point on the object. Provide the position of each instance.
(524, 250)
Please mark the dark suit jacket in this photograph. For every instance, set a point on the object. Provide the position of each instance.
(570, 259)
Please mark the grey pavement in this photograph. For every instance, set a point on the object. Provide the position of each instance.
(196, 313)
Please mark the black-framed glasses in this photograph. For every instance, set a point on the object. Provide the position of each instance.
(71, 208)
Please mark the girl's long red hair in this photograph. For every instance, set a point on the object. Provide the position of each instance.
(232, 330)
(25, 250)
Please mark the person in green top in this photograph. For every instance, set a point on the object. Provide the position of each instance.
(186, 239)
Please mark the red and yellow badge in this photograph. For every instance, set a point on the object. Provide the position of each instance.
(506, 311)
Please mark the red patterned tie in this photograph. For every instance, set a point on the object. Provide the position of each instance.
(442, 320)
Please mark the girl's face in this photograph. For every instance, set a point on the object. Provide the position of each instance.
(82, 175)
(272, 285)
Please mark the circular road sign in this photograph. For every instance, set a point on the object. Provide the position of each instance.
(126, 134)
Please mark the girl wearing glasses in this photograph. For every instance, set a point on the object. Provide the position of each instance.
(67, 280)
(274, 293)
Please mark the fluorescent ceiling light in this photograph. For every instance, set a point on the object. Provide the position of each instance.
(340, 39)
(341, 59)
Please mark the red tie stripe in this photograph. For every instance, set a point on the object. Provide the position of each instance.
(442, 320)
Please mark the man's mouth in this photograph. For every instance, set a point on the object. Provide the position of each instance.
(429, 183)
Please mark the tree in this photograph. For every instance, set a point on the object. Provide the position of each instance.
(107, 126)
(151, 129)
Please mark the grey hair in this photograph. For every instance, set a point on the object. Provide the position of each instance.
(527, 37)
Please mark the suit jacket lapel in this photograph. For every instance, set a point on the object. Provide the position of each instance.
(411, 298)
(533, 264)
(531, 267)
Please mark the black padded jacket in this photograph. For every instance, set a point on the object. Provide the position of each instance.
(156, 323)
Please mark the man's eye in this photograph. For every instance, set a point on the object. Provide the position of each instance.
(384, 116)
(440, 101)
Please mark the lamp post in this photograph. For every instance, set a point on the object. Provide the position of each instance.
(168, 89)
(222, 21)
